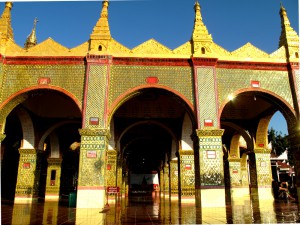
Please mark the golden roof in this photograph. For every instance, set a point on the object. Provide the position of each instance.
(200, 45)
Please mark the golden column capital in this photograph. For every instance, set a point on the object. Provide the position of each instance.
(209, 132)
(95, 132)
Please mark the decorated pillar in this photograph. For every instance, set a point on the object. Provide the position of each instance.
(167, 180)
(119, 175)
(174, 178)
(161, 182)
(92, 171)
(111, 168)
(211, 168)
(187, 174)
(28, 176)
(111, 171)
(53, 179)
(264, 173)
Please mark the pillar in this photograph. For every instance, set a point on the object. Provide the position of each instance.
(92, 171)
(235, 177)
(111, 170)
(263, 173)
(53, 179)
(28, 176)
(167, 180)
(119, 176)
(161, 183)
(187, 174)
(211, 169)
(174, 178)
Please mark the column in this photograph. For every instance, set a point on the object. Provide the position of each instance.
(167, 181)
(174, 178)
(28, 176)
(211, 168)
(119, 176)
(161, 183)
(235, 173)
(111, 171)
(53, 179)
(187, 175)
(92, 171)
(264, 173)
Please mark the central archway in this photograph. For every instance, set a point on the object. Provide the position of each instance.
(148, 130)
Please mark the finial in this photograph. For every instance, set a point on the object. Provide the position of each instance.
(5, 22)
(31, 39)
(8, 5)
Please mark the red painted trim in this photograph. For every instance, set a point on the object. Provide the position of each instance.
(151, 61)
(85, 91)
(44, 60)
(115, 104)
(216, 97)
(77, 102)
(211, 62)
(106, 96)
(91, 188)
(196, 97)
(252, 65)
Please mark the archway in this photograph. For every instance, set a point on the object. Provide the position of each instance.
(148, 129)
(25, 126)
(248, 114)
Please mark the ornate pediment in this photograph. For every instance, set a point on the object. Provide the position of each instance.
(249, 51)
(115, 47)
(279, 53)
(49, 47)
(151, 47)
(184, 50)
(13, 49)
(80, 50)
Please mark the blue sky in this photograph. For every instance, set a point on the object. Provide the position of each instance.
(232, 23)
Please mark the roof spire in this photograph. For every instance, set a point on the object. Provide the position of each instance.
(288, 37)
(5, 22)
(101, 30)
(31, 39)
(200, 33)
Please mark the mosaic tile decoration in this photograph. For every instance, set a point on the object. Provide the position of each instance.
(92, 168)
(231, 80)
(206, 95)
(96, 95)
(68, 77)
(187, 173)
(175, 77)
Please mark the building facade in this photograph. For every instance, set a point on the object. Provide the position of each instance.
(86, 118)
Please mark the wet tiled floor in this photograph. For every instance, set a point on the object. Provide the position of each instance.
(159, 211)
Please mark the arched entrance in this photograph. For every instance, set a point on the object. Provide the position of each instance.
(151, 131)
(245, 118)
(39, 131)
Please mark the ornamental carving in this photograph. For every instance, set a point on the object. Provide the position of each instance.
(210, 132)
(94, 132)
(48, 47)
(151, 47)
(249, 51)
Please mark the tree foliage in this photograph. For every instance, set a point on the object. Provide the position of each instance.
(279, 143)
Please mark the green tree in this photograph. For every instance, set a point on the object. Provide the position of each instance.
(279, 143)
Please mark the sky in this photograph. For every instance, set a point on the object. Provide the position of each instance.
(232, 23)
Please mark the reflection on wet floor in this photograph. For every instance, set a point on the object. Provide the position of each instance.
(159, 211)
